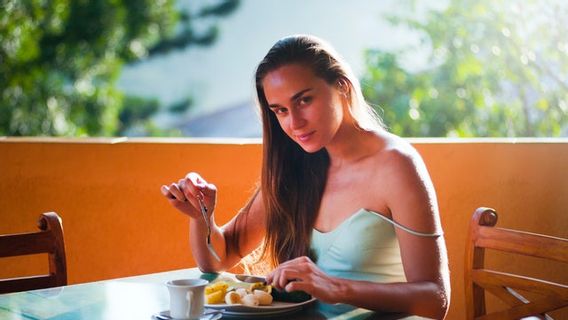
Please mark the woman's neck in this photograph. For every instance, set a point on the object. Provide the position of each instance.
(350, 145)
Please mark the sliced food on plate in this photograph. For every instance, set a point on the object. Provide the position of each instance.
(232, 292)
(249, 294)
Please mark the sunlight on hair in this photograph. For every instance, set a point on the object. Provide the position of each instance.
(255, 264)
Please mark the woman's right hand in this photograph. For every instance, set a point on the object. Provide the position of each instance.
(184, 195)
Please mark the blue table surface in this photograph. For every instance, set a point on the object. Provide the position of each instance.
(136, 297)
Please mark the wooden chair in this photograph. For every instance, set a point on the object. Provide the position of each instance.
(48, 240)
(483, 234)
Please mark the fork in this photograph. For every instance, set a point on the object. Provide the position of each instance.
(206, 218)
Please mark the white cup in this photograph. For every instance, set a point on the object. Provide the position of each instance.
(187, 297)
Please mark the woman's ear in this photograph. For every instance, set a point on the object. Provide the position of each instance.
(343, 87)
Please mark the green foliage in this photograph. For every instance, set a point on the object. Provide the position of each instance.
(60, 59)
(135, 111)
(497, 68)
(180, 106)
(135, 116)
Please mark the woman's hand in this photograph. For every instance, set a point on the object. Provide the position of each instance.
(301, 274)
(184, 195)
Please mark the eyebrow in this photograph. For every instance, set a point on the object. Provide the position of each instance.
(294, 97)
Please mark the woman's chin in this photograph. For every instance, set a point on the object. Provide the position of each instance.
(311, 148)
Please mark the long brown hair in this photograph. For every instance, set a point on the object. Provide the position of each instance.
(292, 180)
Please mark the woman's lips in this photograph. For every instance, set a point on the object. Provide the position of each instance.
(305, 137)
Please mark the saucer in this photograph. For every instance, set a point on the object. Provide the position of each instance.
(208, 315)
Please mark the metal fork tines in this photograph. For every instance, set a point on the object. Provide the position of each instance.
(206, 218)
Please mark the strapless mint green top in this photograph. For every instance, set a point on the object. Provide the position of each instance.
(363, 247)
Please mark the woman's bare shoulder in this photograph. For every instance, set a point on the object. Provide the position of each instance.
(411, 197)
(397, 154)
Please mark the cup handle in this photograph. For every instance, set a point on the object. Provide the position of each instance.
(189, 298)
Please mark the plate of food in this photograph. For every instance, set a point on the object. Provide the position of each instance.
(239, 298)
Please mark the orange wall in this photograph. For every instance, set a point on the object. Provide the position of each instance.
(117, 224)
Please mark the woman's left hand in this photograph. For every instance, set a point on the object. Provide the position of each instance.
(302, 274)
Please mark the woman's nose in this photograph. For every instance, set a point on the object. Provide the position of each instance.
(296, 120)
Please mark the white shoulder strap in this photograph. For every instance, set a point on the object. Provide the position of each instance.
(400, 226)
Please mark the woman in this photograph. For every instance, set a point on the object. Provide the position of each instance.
(345, 210)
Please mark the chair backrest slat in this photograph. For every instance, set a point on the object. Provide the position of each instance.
(27, 283)
(489, 277)
(525, 243)
(48, 240)
(522, 311)
(26, 243)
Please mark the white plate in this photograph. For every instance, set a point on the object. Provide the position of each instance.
(276, 307)
(261, 314)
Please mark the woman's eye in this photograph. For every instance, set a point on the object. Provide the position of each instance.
(305, 100)
(279, 110)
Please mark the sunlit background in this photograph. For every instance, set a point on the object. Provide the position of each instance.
(455, 68)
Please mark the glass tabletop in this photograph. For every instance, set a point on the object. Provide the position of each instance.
(136, 298)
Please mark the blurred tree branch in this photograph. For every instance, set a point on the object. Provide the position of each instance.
(60, 59)
(495, 69)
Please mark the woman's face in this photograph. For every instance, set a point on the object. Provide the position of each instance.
(308, 109)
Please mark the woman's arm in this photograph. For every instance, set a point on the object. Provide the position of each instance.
(411, 200)
(413, 203)
(419, 298)
(247, 225)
